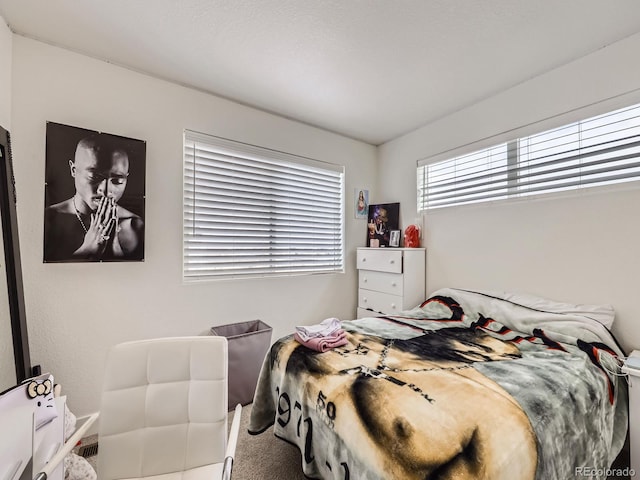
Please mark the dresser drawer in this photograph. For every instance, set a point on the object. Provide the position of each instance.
(381, 281)
(380, 302)
(364, 313)
(380, 259)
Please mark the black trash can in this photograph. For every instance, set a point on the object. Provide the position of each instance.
(248, 344)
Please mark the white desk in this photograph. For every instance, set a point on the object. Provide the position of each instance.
(47, 440)
(26, 453)
(53, 468)
(16, 442)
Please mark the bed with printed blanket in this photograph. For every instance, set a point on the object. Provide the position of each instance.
(469, 385)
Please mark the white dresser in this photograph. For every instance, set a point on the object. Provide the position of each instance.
(390, 280)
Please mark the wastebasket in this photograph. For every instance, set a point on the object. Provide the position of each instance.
(248, 344)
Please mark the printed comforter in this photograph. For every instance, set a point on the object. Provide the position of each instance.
(466, 386)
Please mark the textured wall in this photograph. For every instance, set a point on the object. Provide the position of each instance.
(76, 312)
(6, 40)
(580, 249)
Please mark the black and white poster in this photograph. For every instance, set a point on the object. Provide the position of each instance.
(94, 196)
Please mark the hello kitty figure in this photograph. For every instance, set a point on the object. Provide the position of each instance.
(40, 390)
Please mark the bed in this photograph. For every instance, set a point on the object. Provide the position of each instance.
(468, 385)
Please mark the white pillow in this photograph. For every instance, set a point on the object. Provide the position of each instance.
(604, 314)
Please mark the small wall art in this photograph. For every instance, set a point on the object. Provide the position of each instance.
(361, 205)
(382, 219)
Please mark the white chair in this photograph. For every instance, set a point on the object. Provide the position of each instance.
(163, 412)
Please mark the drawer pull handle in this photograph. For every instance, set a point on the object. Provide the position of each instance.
(392, 262)
(364, 259)
(365, 280)
(393, 306)
(364, 299)
(393, 284)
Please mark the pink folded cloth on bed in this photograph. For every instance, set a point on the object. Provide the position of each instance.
(327, 327)
(322, 344)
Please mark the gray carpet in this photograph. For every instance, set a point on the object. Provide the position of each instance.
(258, 457)
(264, 456)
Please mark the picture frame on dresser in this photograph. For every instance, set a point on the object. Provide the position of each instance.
(382, 219)
(394, 238)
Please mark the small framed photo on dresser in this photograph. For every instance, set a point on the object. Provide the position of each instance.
(394, 238)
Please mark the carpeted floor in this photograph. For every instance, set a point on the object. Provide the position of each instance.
(264, 456)
(258, 457)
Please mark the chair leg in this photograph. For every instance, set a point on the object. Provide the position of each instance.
(231, 443)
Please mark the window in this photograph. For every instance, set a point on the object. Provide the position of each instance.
(250, 211)
(598, 151)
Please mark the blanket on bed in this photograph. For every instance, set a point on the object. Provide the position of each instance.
(466, 386)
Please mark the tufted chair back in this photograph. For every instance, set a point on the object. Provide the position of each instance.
(164, 408)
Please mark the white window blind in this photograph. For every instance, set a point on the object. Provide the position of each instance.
(250, 211)
(597, 151)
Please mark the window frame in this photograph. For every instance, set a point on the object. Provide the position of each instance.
(513, 141)
(265, 255)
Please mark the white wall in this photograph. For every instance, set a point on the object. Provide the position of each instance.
(6, 41)
(582, 249)
(7, 370)
(76, 312)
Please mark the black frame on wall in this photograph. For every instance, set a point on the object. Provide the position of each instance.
(8, 201)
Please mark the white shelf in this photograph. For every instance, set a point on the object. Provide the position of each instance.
(16, 444)
(27, 453)
(54, 465)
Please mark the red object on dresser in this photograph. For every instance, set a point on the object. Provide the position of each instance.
(412, 236)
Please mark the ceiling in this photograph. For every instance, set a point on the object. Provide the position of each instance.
(368, 69)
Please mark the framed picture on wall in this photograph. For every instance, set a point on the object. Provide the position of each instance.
(361, 206)
(94, 196)
(382, 219)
